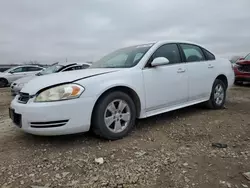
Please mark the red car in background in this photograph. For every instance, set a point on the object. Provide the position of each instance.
(242, 70)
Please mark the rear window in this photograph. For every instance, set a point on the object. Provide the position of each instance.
(192, 52)
(30, 69)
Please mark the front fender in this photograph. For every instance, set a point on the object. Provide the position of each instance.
(96, 86)
(138, 90)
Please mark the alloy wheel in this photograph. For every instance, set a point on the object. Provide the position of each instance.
(117, 116)
(219, 94)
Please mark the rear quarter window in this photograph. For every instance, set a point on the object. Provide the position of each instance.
(208, 55)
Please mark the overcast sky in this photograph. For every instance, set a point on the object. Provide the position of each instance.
(80, 30)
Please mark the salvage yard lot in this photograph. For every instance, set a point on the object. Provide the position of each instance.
(169, 150)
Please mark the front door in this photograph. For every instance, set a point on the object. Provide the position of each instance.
(166, 86)
(16, 73)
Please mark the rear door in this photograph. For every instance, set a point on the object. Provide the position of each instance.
(199, 72)
(212, 64)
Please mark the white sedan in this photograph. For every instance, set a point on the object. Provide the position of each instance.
(133, 82)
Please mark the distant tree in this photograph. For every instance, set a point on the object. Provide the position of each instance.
(31, 62)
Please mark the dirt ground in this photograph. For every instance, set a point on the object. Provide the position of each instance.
(169, 150)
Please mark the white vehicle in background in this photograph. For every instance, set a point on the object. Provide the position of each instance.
(133, 82)
(12, 74)
(17, 85)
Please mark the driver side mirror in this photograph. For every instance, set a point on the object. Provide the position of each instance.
(159, 61)
(11, 72)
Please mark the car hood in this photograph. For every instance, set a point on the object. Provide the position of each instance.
(243, 62)
(41, 82)
(24, 80)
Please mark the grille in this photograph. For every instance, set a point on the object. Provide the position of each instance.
(244, 68)
(23, 98)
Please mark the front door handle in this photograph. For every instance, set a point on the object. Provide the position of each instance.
(210, 66)
(181, 70)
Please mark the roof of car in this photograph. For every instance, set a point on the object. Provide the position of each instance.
(25, 66)
(168, 41)
(176, 41)
(180, 41)
(28, 66)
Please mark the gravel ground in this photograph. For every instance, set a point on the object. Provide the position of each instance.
(169, 150)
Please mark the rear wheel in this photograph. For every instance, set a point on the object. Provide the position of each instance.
(218, 95)
(114, 116)
(3, 82)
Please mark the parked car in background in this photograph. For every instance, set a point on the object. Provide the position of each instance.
(12, 74)
(133, 82)
(234, 59)
(17, 85)
(242, 70)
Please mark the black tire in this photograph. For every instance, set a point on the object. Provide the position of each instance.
(98, 124)
(3, 82)
(212, 103)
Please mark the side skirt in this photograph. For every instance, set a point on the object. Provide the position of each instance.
(171, 108)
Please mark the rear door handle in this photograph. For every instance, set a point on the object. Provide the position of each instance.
(180, 70)
(210, 66)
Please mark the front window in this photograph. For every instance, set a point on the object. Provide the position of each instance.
(247, 57)
(17, 70)
(123, 58)
(49, 70)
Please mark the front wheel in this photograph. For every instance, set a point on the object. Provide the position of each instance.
(114, 116)
(218, 95)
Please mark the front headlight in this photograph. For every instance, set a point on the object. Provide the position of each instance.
(62, 92)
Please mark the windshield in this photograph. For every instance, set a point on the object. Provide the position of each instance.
(49, 70)
(123, 58)
(247, 57)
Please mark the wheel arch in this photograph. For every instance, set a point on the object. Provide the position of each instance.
(129, 91)
(6, 80)
(223, 78)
